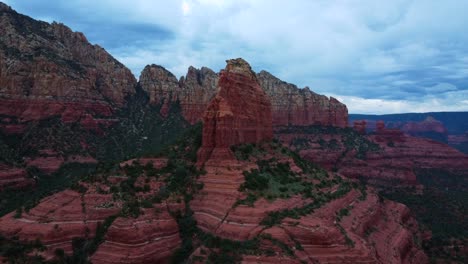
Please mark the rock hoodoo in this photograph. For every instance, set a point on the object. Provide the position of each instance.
(239, 113)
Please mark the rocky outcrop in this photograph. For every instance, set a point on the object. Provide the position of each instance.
(322, 235)
(58, 219)
(362, 236)
(429, 128)
(96, 215)
(299, 107)
(371, 231)
(150, 238)
(392, 160)
(239, 113)
(360, 126)
(193, 92)
(290, 105)
(49, 70)
(49, 161)
(14, 177)
(199, 87)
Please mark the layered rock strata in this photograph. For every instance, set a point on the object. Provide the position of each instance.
(151, 238)
(239, 113)
(299, 107)
(290, 105)
(49, 70)
(14, 177)
(394, 161)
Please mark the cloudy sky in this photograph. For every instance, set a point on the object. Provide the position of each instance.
(375, 56)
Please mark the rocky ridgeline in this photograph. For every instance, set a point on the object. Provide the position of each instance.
(48, 70)
(227, 207)
(385, 156)
(290, 105)
(256, 201)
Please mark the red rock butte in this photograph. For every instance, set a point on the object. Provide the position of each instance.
(239, 113)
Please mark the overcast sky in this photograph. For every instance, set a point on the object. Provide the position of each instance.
(375, 56)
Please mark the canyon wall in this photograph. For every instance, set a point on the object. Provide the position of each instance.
(290, 105)
(48, 70)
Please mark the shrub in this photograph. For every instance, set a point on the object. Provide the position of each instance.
(254, 181)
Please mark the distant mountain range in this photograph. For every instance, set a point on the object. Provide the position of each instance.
(447, 127)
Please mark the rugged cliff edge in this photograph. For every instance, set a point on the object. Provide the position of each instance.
(49, 70)
(253, 201)
(301, 107)
(290, 105)
(239, 113)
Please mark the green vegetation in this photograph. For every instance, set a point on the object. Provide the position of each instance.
(351, 140)
(140, 131)
(273, 180)
(321, 198)
(440, 208)
(348, 240)
(16, 251)
(245, 151)
(221, 250)
(64, 178)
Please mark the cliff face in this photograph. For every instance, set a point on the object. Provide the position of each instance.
(290, 105)
(49, 70)
(193, 92)
(387, 156)
(261, 199)
(235, 206)
(294, 106)
(239, 113)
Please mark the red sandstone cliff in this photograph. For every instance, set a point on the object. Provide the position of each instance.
(290, 105)
(372, 231)
(294, 106)
(194, 91)
(49, 70)
(395, 159)
(317, 237)
(239, 113)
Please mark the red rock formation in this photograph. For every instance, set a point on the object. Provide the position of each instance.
(388, 136)
(193, 92)
(50, 161)
(199, 87)
(48, 70)
(13, 177)
(398, 157)
(298, 107)
(372, 225)
(239, 113)
(360, 126)
(428, 125)
(322, 238)
(290, 105)
(158, 163)
(380, 126)
(150, 238)
(58, 219)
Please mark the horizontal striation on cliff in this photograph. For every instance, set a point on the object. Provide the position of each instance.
(290, 104)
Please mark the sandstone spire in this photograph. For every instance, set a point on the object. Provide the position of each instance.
(239, 113)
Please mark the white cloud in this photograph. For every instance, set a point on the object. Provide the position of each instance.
(449, 101)
(377, 50)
